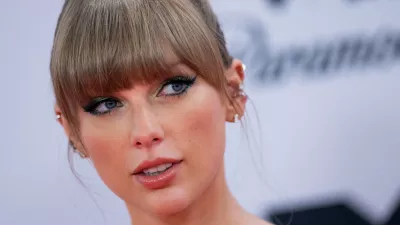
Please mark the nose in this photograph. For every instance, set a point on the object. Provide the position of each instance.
(146, 131)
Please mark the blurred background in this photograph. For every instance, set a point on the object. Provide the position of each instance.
(324, 123)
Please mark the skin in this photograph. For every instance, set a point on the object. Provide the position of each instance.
(190, 128)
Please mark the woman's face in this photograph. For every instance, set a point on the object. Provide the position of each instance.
(158, 146)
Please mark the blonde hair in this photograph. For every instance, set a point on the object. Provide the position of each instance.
(101, 46)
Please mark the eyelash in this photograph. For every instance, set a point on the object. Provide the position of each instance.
(185, 80)
(188, 81)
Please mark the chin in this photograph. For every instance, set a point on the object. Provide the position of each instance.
(169, 201)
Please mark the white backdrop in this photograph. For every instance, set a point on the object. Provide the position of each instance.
(323, 138)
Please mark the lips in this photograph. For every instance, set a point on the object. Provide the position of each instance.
(158, 165)
(158, 173)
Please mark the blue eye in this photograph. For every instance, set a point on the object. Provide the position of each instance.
(176, 86)
(102, 106)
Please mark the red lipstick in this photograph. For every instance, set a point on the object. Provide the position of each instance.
(158, 173)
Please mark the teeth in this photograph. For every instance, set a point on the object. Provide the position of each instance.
(152, 170)
(161, 167)
(157, 170)
(167, 165)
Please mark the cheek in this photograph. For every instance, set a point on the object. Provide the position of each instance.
(102, 142)
(203, 130)
(105, 148)
(105, 137)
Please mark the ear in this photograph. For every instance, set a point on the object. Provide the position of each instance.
(236, 98)
(67, 129)
(61, 120)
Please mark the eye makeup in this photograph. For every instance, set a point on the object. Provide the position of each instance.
(175, 86)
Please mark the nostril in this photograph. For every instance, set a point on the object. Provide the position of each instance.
(147, 142)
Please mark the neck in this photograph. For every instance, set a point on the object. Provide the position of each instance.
(215, 206)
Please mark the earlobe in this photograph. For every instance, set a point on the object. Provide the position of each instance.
(58, 114)
(61, 120)
(236, 108)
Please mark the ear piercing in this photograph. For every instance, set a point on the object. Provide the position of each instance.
(240, 92)
(58, 116)
(236, 118)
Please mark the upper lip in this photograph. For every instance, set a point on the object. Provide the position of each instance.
(147, 164)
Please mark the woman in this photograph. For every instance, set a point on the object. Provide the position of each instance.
(143, 89)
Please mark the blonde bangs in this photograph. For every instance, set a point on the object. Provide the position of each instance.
(102, 46)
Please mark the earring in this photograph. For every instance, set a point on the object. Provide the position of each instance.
(58, 116)
(240, 92)
(236, 118)
(243, 67)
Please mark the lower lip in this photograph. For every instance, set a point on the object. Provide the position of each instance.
(161, 180)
